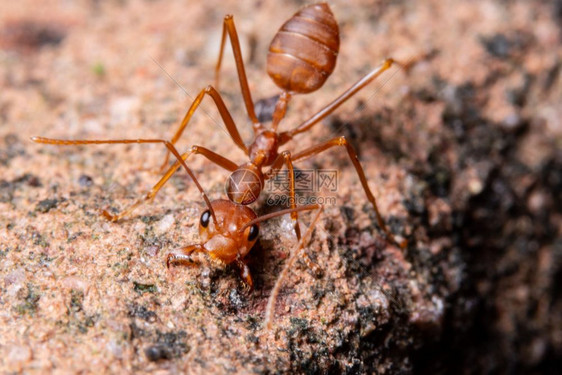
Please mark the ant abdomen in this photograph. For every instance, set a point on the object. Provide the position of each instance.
(303, 53)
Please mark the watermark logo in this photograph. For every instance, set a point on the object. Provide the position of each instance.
(312, 186)
(308, 183)
(299, 200)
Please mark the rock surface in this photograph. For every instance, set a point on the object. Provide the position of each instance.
(463, 154)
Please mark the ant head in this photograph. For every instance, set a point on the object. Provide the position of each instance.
(245, 184)
(229, 237)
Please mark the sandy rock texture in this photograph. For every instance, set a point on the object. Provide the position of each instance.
(463, 154)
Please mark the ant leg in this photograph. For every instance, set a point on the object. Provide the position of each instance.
(285, 157)
(245, 274)
(225, 115)
(270, 309)
(361, 83)
(182, 256)
(342, 141)
(217, 159)
(228, 27)
(210, 155)
(372, 75)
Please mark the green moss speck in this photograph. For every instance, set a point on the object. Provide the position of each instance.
(99, 69)
(144, 288)
(30, 303)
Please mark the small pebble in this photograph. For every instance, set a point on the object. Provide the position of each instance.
(85, 180)
(18, 356)
(157, 352)
(165, 224)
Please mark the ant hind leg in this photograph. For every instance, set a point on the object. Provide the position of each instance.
(230, 29)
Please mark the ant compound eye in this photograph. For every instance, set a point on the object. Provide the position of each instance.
(205, 217)
(254, 232)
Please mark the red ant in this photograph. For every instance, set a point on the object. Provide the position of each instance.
(301, 57)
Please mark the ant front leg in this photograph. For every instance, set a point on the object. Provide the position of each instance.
(245, 274)
(285, 157)
(342, 141)
(228, 27)
(212, 156)
(182, 256)
(225, 115)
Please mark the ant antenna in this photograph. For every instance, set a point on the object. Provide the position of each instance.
(190, 173)
(168, 145)
(270, 309)
(279, 213)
